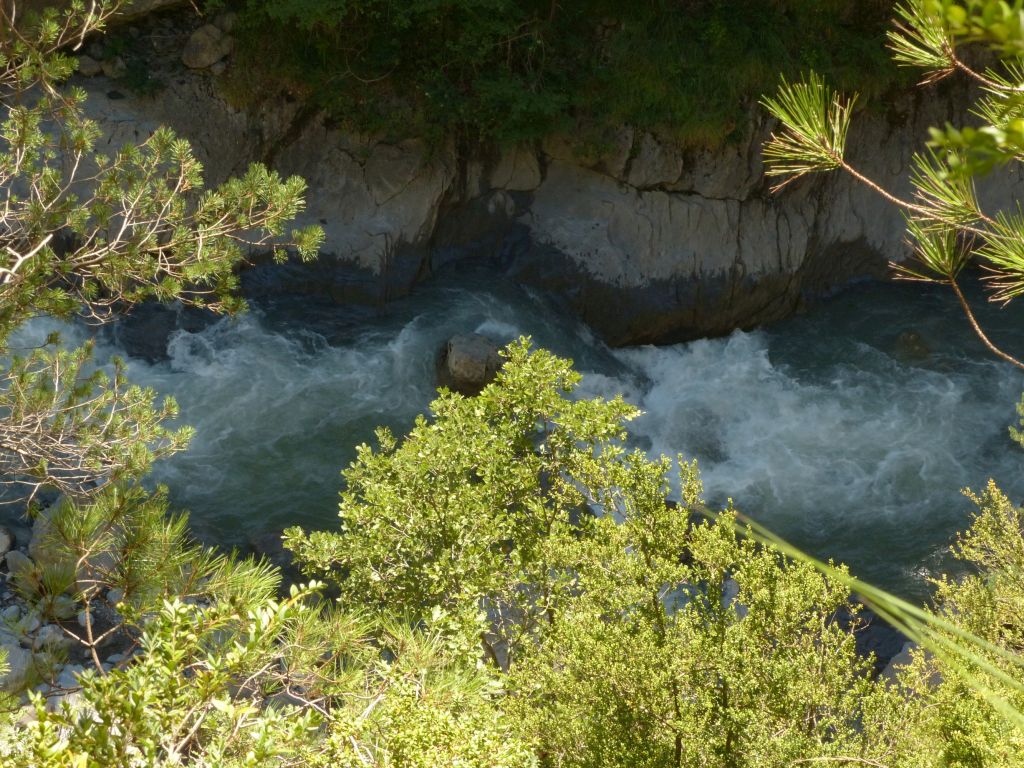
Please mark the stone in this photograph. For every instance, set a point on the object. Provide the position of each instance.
(218, 68)
(901, 659)
(226, 21)
(730, 595)
(67, 679)
(468, 363)
(73, 700)
(910, 347)
(50, 636)
(115, 596)
(18, 564)
(114, 68)
(874, 637)
(205, 47)
(30, 623)
(19, 663)
(6, 539)
(146, 331)
(88, 66)
(43, 547)
(63, 607)
(648, 244)
(270, 545)
(10, 613)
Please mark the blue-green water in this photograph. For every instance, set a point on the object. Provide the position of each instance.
(820, 426)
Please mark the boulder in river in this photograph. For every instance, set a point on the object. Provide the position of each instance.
(468, 363)
(911, 347)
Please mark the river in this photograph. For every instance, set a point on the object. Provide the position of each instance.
(824, 427)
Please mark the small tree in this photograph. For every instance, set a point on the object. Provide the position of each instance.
(632, 635)
(87, 235)
(84, 236)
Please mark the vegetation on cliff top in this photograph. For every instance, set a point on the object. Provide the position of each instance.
(509, 70)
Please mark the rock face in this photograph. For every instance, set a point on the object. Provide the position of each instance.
(468, 363)
(647, 243)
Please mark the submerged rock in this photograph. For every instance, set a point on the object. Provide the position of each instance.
(468, 363)
(911, 347)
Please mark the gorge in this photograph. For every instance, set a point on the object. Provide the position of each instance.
(827, 427)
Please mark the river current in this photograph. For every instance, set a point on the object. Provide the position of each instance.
(827, 428)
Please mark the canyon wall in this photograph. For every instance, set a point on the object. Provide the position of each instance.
(647, 243)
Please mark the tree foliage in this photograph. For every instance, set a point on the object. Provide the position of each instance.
(85, 234)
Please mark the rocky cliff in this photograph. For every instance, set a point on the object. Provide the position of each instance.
(648, 243)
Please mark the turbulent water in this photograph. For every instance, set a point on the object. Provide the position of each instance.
(826, 427)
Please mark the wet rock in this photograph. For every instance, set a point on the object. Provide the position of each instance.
(911, 347)
(88, 66)
(878, 638)
(269, 545)
(206, 47)
(730, 596)
(146, 331)
(468, 363)
(6, 539)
